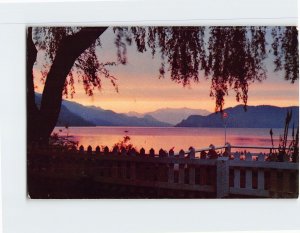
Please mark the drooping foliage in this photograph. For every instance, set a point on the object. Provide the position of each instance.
(235, 61)
(285, 49)
(231, 57)
(87, 66)
(182, 48)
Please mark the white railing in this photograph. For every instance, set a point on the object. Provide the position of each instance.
(230, 175)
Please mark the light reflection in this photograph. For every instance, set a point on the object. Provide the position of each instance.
(170, 137)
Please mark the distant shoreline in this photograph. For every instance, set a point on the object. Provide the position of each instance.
(166, 127)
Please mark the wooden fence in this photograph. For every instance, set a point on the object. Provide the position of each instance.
(195, 173)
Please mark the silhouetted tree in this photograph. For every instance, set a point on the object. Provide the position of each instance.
(285, 49)
(232, 57)
(63, 47)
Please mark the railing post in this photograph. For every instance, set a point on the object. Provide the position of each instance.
(106, 150)
(161, 153)
(181, 154)
(222, 177)
(203, 175)
(273, 182)
(89, 150)
(132, 152)
(81, 149)
(248, 184)
(171, 153)
(285, 182)
(261, 157)
(123, 169)
(237, 178)
(132, 170)
(171, 168)
(114, 169)
(171, 173)
(152, 152)
(192, 153)
(236, 156)
(181, 174)
(248, 156)
(97, 150)
(181, 169)
(261, 174)
(115, 150)
(227, 152)
(142, 152)
(192, 167)
(191, 174)
(237, 172)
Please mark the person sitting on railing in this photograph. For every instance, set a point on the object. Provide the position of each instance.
(212, 152)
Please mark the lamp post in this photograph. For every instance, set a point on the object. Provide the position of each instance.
(225, 116)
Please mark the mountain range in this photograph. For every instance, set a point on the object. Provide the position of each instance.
(74, 114)
(262, 116)
(171, 115)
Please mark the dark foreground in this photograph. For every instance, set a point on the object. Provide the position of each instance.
(81, 174)
(85, 188)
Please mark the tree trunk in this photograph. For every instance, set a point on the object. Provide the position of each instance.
(32, 110)
(69, 50)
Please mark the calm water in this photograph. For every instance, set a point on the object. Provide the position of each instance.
(167, 138)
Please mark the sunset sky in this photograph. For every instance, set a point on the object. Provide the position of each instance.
(141, 90)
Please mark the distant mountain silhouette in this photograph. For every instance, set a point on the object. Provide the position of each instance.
(66, 117)
(263, 116)
(171, 115)
(79, 115)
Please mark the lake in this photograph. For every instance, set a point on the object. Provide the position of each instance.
(170, 137)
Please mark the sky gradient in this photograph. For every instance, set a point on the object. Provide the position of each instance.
(142, 91)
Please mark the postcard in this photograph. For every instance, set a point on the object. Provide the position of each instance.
(162, 112)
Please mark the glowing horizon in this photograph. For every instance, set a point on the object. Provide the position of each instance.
(151, 93)
(141, 91)
(145, 101)
(145, 93)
